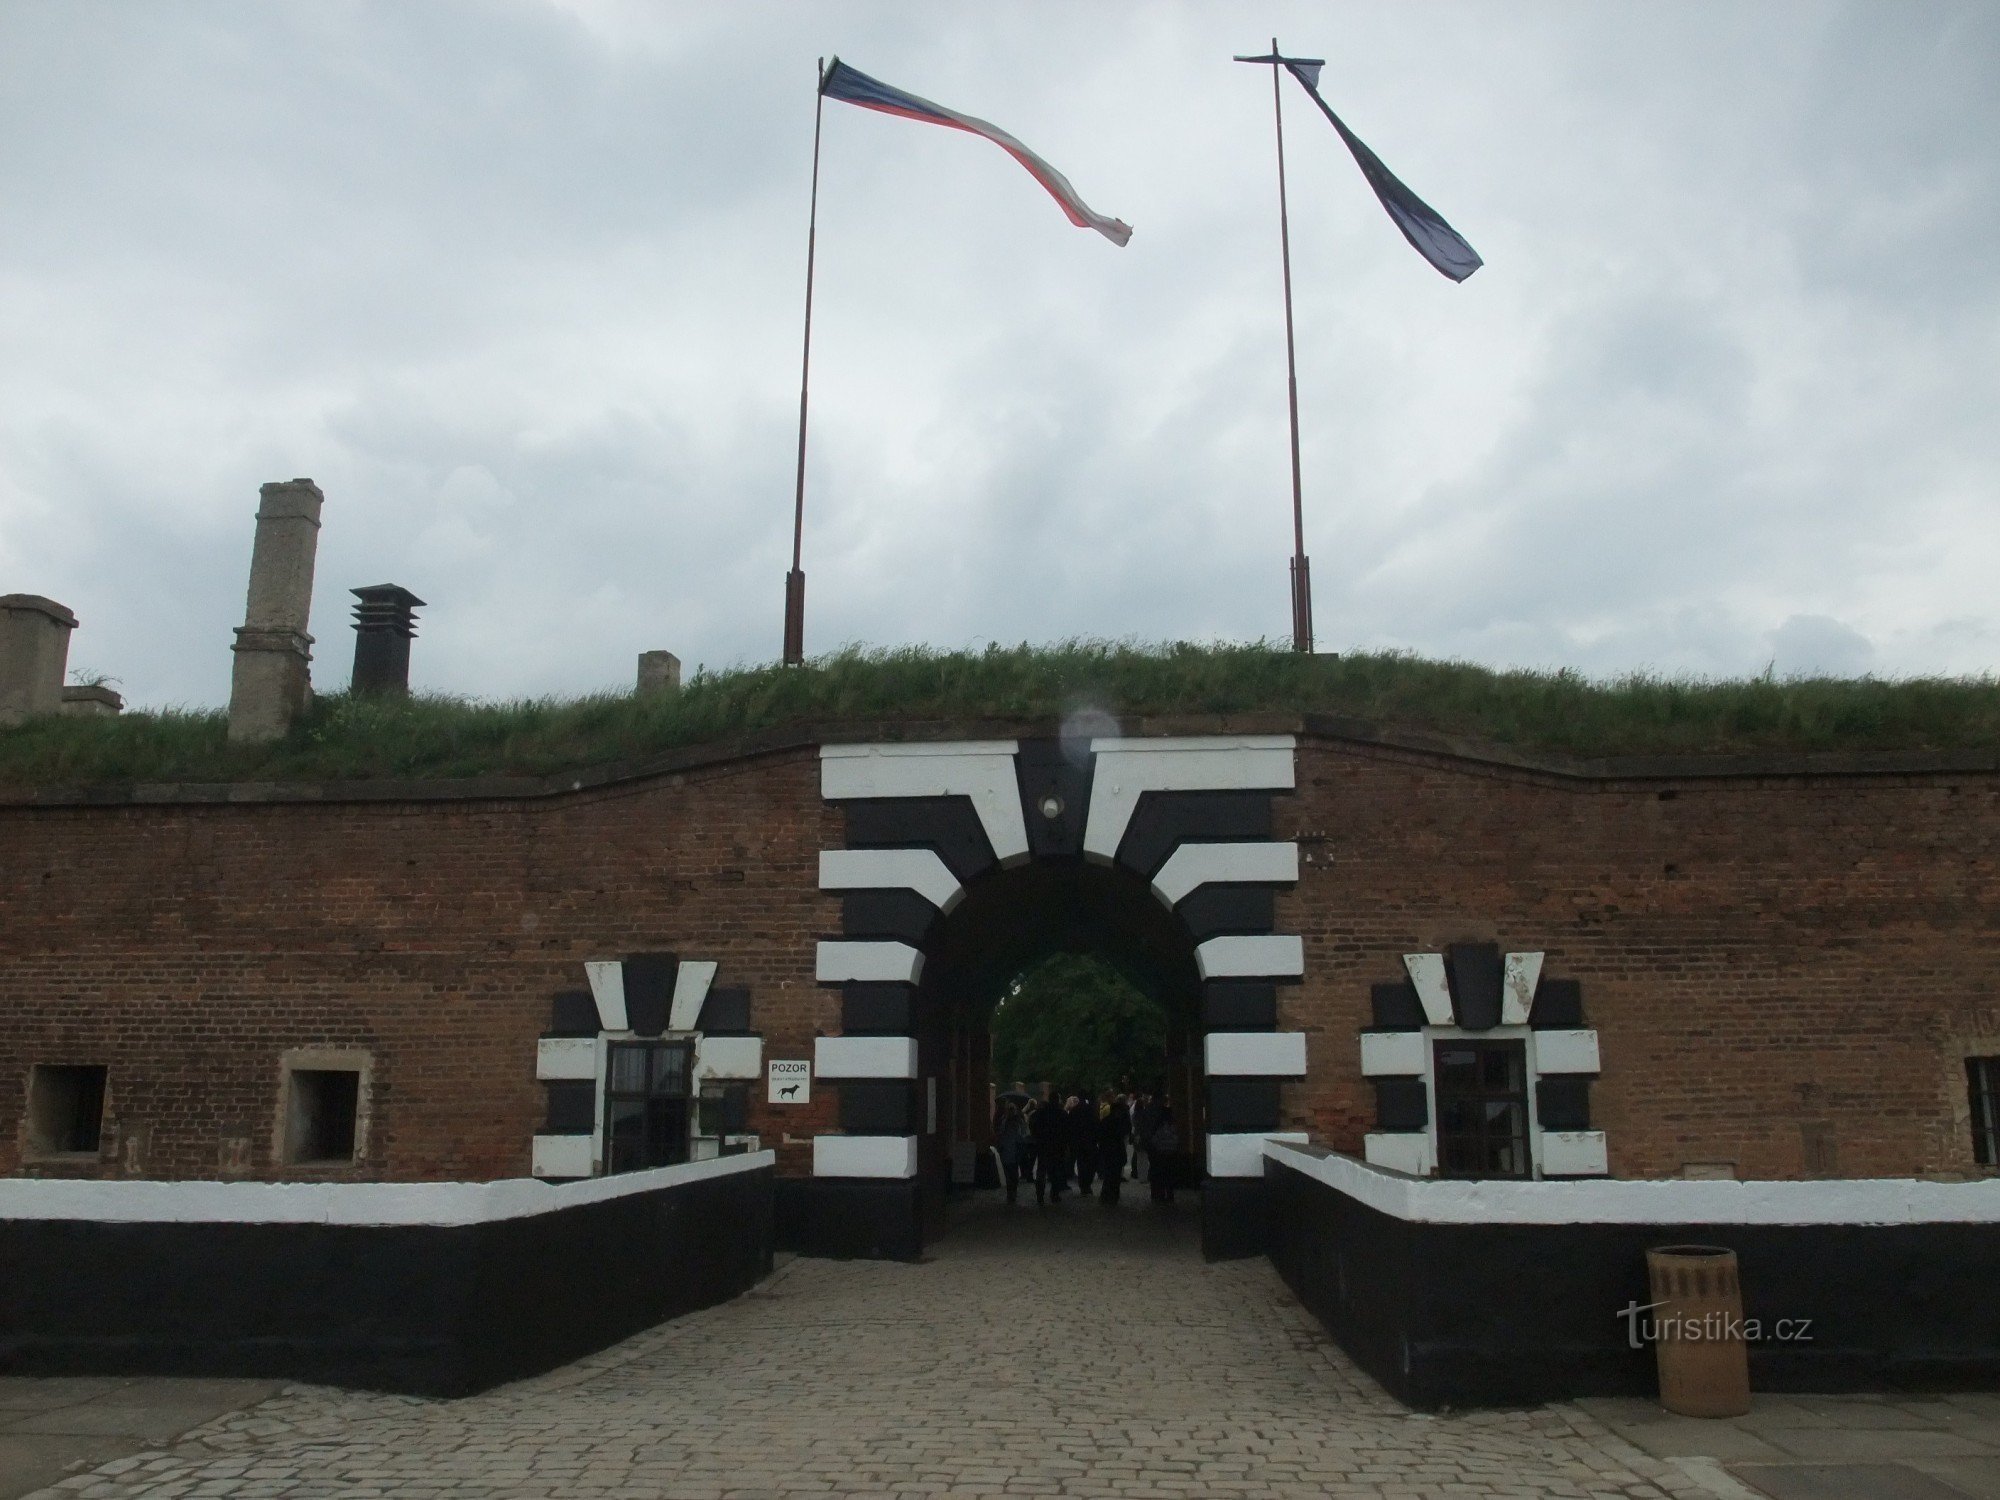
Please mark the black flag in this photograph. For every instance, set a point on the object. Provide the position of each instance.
(1422, 225)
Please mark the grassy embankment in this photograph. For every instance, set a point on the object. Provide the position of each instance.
(345, 738)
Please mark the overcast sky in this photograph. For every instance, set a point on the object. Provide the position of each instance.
(520, 286)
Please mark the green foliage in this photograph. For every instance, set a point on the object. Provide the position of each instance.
(344, 738)
(1074, 1020)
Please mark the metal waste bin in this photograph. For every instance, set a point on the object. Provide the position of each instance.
(1697, 1318)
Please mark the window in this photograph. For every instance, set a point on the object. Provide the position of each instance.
(1982, 1080)
(646, 1103)
(65, 1110)
(320, 1120)
(1482, 1109)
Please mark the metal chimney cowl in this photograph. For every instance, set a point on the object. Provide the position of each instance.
(384, 623)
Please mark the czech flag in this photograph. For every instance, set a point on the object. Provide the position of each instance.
(842, 82)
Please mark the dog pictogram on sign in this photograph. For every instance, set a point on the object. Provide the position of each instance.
(791, 1081)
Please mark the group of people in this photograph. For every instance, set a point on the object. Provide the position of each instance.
(1056, 1143)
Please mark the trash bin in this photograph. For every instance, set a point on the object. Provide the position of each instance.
(1697, 1317)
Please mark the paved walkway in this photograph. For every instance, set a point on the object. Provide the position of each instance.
(1064, 1352)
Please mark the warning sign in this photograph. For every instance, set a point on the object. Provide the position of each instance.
(791, 1082)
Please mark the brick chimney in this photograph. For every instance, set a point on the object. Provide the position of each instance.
(272, 681)
(34, 654)
(384, 622)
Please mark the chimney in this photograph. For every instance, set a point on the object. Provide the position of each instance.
(659, 672)
(384, 622)
(272, 681)
(34, 654)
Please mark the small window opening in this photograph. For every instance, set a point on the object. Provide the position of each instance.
(1482, 1109)
(723, 1119)
(66, 1110)
(1982, 1080)
(324, 1106)
(646, 1105)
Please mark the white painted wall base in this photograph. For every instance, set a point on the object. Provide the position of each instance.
(864, 1156)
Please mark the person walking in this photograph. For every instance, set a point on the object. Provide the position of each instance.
(1113, 1131)
(1083, 1140)
(1049, 1131)
(1144, 1120)
(1163, 1152)
(1009, 1136)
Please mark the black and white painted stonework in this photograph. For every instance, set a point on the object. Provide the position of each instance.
(926, 822)
(648, 996)
(1472, 990)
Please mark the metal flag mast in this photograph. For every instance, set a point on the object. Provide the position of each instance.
(1302, 610)
(795, 581)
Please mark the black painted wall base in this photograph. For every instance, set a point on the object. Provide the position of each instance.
(418, 1309)
(851, 1218)
(1511, 1314)
(1232, 1218)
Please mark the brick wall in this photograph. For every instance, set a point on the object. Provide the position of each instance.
(1767, 961)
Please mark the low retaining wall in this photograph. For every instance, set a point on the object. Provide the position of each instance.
(1505, 1293)
(425, 1288)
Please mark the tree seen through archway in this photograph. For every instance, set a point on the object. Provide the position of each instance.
(1076, 1021)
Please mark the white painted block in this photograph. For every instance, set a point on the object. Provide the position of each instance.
(562, 1156)
(691, 981)
(565, 1057)
(918, 870)
(729, 1057)
(838, 962)
(1279, 956)
(1126, 769)
(1517, 987)
(1243, 1155)
(864, 1156)
(1393, 1054)
(1400, 1151)
(1195, 865)
(1255, 1054)
(1426, 972)
(865, 1056)
(1573, 1153)
(980, 769)
(607, 988)
(1565, 1052)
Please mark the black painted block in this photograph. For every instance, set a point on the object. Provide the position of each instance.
(878, 1106)
(1239, 1005)
(843, 1218)
(1395, 1007)
(1563, 1102)
(878, 1009)
(1474, 972)
(1055, 797)
(1236, 1105)
(725, 1013)
(1218, 908)
(573, 1013)
(1401, 1104)
(1163, 821)
(899, 914)
(1558, 1003)
(649, 991)
(950, 825)
(572, 1107)
(1233, 1218)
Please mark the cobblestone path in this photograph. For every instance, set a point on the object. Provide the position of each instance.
(1073, 1351)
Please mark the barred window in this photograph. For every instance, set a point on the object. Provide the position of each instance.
(1482, 1109)
(1982, 1081)
(646, 1104)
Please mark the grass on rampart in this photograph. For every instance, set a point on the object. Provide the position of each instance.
(344, 738)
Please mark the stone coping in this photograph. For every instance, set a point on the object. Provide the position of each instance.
(436, 1204)
(1324, 728)
(1672, 1200)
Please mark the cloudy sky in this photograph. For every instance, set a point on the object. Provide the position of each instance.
(519, 285)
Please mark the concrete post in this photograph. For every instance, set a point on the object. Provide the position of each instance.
(272, 681)
(659, 672)
(34, 654)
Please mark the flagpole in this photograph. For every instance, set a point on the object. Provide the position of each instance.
(795, 581)
(1302, 623)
